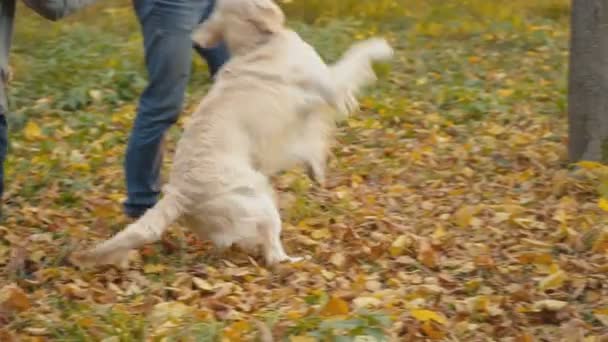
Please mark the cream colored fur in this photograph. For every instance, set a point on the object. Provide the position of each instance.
(271, 108)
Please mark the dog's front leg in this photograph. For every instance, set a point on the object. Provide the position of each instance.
(315, 146)
(270, 234)
(315, 169)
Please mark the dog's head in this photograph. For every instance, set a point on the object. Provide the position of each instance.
(242, 24)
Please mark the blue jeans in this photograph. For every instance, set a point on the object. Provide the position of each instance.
(166, 26)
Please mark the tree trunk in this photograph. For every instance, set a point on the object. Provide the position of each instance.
(588, 81)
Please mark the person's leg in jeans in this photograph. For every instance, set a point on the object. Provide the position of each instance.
(166, 27)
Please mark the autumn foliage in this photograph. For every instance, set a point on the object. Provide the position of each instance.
(450, 212)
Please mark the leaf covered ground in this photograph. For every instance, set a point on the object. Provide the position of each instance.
(451, 212)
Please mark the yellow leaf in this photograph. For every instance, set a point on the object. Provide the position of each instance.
(424, 315)
(553, 281)
(603, 204)
(463, 216)
(335, 307)
(478, 304)
(293, 315)
(154, 268)
(601, 242)
(32, 131)
(535, 258)
(202, 284)
(302, 339)
(474, 59)
(601, 311)
(472, 285)
(505, 92)
(429, 329)
(525, 337)
(355, 180)
(439, 233)
(235, 331)
(400, 245)
(321, 234)
(589, 165)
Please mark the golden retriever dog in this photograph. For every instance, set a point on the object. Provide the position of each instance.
(271, 107)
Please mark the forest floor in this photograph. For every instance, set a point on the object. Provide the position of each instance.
(451, 212)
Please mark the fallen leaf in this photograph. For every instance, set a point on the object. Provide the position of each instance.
(335, 307)
(321, 234)
(427, 255)
(202, 284)
(16, 264)
(338, 260)
(589, 165)
(603, 203)
(553, 281)
(366, 302)
(32, 131)
(165, 311)
(431, 331)
(463, 217)
(424, 315)
(400, 245)
(13, 298)
(302, 339)
(154, 268)
(549, 305)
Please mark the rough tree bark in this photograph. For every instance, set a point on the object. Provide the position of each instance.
(588, 81)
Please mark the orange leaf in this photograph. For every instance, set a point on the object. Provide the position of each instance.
(427, 255)
(335, 307)
(12, 297)
(430, 330)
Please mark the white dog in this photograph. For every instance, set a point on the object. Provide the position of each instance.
(270, 108)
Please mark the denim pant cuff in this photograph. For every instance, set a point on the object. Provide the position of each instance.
(141, 201)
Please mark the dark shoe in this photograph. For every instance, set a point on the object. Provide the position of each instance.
(135, 211)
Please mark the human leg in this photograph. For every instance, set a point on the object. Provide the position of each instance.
(166, 26)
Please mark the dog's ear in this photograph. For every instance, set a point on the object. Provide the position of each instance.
(209, 33)
(266, 16)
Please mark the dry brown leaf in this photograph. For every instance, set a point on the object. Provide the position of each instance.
(366, 302)
(16, 262)
(338, 260)
(13, 298)
(549, 305)
(427, 255)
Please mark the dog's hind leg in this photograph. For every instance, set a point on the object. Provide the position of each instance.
(147, 229)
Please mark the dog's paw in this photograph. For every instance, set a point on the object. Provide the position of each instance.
(316, 172)
(273, 260)
(293, 259)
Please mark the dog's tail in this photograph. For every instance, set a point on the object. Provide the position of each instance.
(354, 71)
(147, 229)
